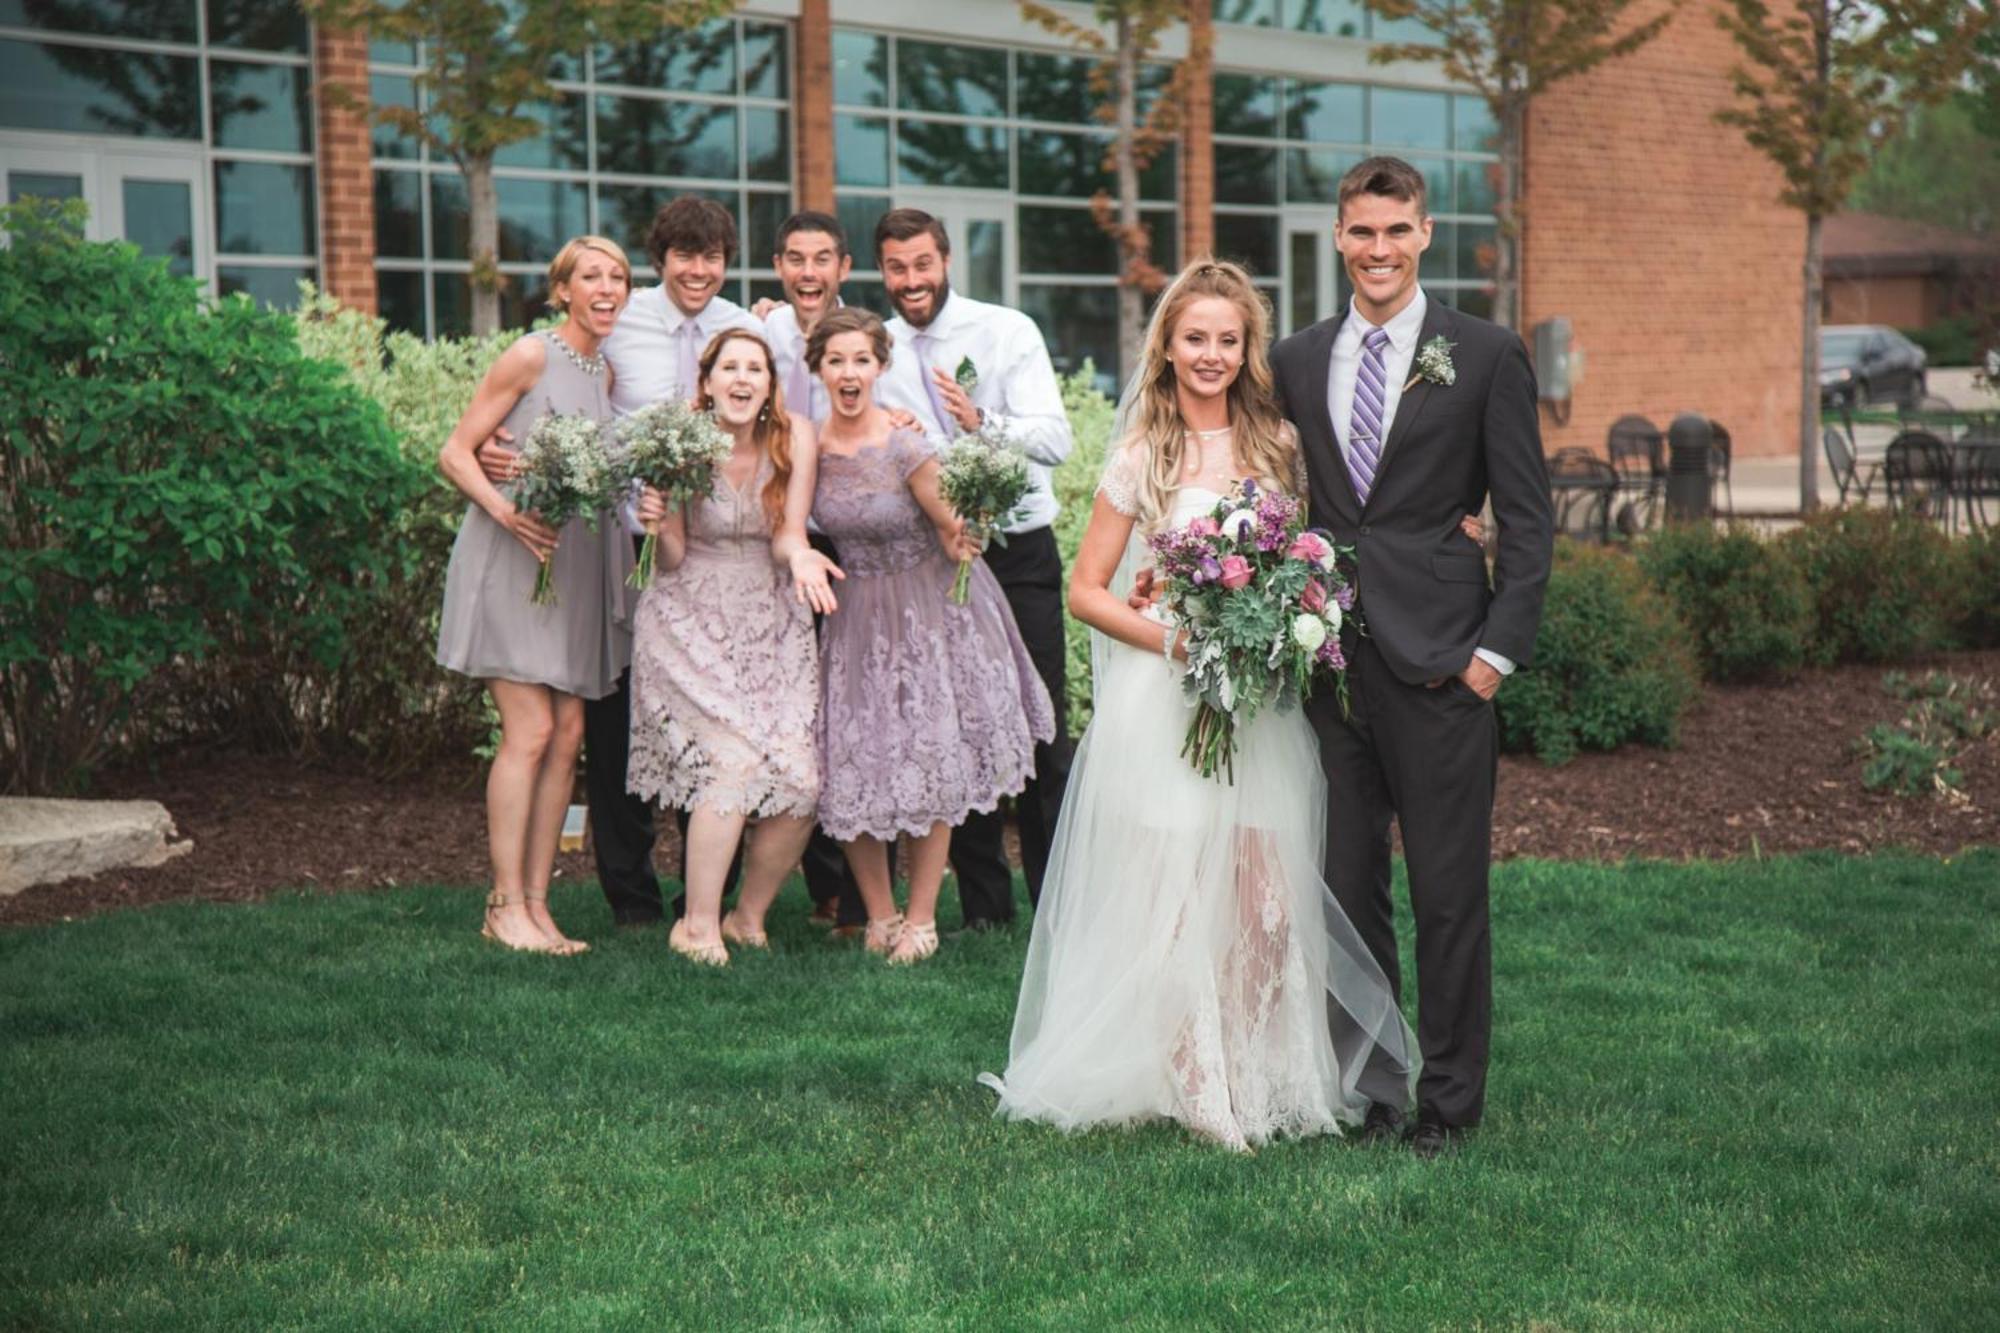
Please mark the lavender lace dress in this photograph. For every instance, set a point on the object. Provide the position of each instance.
(929, 711)
(723, 686)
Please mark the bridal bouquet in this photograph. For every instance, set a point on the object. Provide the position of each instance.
(675, 448)
(984, 479)
(1262, 599)
(565, 473)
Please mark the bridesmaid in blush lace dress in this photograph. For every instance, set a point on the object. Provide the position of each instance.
(930, 710)
(723, 686)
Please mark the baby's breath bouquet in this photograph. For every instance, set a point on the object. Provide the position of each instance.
(985, 479)
(675, 448)
(565, 473)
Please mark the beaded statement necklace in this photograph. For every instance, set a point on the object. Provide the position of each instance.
(589, 365)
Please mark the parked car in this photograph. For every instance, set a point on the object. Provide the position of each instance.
(1862, 362)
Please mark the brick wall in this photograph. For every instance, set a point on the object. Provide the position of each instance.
(1658, 232)
(346, 183)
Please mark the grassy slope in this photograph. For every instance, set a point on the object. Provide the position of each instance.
(1724, 1096)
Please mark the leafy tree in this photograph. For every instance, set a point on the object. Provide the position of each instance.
(485, 64)
(1508, 51)
(1138, 134)
(1941, 169)
(1822, 85)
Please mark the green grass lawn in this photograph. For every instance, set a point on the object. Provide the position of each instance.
(1723, 1096)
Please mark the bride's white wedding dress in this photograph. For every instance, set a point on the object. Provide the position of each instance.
(1186, 956)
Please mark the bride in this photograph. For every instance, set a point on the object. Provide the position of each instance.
(1187, 961)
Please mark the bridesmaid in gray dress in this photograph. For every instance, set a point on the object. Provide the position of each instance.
(539, 662)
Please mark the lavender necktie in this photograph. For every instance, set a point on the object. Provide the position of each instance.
(798, 386)
(1364, 431)
(688, 350)
(926, 346)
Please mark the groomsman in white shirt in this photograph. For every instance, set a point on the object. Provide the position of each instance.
(1013, 387)
(654, 351)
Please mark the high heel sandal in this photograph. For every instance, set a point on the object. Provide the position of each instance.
(881, 936)
(562, 946)
(750, 939)
(915, 944)
(495, 901)
(707, 955)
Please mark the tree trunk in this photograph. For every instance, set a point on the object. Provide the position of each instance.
(483, 223)
(1132, 246)
(1809, 375)
(1507, 252)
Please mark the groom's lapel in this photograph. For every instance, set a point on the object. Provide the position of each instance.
(1321, 414)
(1438, 322)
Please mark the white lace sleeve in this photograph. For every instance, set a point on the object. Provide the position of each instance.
(1120, 482)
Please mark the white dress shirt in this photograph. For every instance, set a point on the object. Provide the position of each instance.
(1403, 328)
(788, 354)
(644, 349)
(1016, 388)
(644, 353)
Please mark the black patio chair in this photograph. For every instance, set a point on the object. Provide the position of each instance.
(1929, 412)
(1638, 453)
(1979, 478)
(1581, 486)
(1718, 469)
(1916, 471)
(1850, 473)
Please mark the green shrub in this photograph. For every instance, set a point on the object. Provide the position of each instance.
(1612, 662)
(1915, 756)
(1882, 585)
(395, 705)
(1977, 575)
(193, 510)
(1745, 601)
(1949, 342)
(1075, 484)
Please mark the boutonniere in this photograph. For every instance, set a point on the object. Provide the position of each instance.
(1434, 363)
(967, 375)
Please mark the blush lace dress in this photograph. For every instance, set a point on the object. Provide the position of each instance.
(929, 710)
(723, 686)
(1187, 957)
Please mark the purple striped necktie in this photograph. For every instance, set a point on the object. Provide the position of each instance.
(1364, 431)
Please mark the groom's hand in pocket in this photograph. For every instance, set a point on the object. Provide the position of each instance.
(1481, 678)
(498, 458)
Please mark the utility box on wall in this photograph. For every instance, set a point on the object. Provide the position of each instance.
(1553, 371)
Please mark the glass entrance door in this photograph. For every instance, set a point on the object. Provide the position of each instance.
(155, 200)
(1312, 275)
(982, 247)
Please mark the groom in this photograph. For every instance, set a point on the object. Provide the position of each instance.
(1411, 415)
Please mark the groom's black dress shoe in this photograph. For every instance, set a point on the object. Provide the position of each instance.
(1382, 1124)
(1431, 1139)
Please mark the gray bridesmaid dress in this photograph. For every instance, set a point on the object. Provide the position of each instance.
(489, 629)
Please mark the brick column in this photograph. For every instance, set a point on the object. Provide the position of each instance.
(1198, 134)
(346, 182)
(812, 108)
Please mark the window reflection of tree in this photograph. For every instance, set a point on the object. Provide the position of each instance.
(256, 25)
(644, 137)
(700, 61)
(971, 157)
(968, 80)
(150, 20)
(153, 96)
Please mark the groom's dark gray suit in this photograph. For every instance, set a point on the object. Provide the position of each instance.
(1427, 755)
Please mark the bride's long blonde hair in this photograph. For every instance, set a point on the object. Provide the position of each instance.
(1261, 444)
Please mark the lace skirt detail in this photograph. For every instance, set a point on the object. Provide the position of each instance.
(1186, 957)
(930, 711)
(723, 690)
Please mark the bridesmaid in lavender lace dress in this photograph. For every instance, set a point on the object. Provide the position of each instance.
(723, 687)
(929, 710)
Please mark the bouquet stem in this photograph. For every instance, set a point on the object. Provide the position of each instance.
(961, 587)
(1211, 743)
(642, 573)
(545, 592)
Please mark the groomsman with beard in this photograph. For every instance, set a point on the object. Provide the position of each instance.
(654, 352)
(1010, 384)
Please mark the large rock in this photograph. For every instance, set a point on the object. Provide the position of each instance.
(42, 841)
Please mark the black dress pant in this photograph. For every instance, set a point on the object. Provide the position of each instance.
(828, 879)
(1428, 758)
(621, 824)
(1029, 570)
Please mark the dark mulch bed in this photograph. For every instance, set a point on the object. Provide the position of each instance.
(1759, 770)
